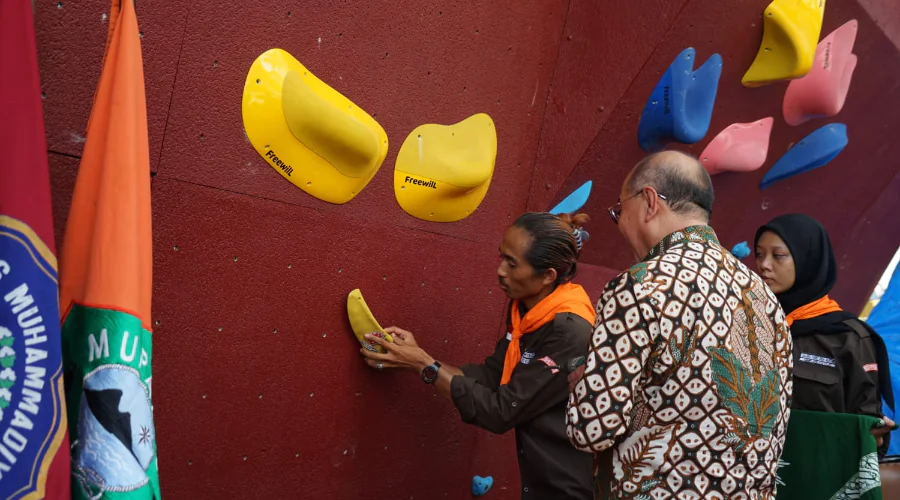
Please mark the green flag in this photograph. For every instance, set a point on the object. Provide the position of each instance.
(106, 284)
(829, 456)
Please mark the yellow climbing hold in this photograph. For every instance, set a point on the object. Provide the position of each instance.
(443, 172)
(791, 31)
(307, 131)
(363, 322)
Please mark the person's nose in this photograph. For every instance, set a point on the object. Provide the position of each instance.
(765, 264)
(501, 271)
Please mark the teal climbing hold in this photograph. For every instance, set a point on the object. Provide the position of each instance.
(680, 107)
(741, 250)
(574, 201)
(481, 485)
(814, 151)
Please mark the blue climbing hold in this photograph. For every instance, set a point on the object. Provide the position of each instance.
(574, 201)
(812, 152)
(481, 485)
(681, 105)
(741, 250)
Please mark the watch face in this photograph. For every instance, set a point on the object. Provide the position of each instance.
(429, 374)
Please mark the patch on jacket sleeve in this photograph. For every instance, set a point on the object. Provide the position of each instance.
(871, 367)
(554, 369)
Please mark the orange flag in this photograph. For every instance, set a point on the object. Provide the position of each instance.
(34, 446)
(105, 284)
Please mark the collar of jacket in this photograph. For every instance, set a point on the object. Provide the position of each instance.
(700, 233)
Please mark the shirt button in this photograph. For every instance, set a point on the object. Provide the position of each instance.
(513, 404)
(525, 489)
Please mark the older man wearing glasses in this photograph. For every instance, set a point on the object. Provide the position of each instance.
(686, 387)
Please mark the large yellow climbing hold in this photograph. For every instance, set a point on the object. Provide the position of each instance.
(791, 31)
(309, 132)
(363, 322)
(443, 172)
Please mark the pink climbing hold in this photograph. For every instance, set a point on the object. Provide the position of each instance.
(740, 147)
(821, 93)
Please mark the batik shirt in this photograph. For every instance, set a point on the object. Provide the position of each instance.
(688, 377)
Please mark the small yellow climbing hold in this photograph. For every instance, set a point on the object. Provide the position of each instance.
(443, 172)
(363, 322)
(791, 31)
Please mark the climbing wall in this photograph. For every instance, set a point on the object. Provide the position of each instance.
(259, 390)
(855, 196)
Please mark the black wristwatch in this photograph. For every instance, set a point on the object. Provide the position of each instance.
(430, 373)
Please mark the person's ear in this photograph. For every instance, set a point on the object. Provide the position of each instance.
(550, 277)
(652, 203)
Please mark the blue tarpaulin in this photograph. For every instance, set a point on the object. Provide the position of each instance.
(885, 319)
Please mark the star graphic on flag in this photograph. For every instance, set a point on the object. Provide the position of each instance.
(145, 435)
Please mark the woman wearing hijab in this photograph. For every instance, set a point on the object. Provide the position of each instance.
(523, 384)
(840, 363)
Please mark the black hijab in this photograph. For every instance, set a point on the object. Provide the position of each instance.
(815, 273)
(814, 264)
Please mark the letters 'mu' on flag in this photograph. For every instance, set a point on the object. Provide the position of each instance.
(105, 284)
(34, 447)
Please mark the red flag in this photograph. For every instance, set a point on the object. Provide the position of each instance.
(34, 446)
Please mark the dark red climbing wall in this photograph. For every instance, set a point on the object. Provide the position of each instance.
(856, 196)
(258, 388)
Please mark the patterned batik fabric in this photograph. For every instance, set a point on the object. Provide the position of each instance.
(688, 376)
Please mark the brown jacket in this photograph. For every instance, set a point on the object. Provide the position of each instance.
(534, 403)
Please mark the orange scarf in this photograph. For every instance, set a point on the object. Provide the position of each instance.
(812, 310)
(566, 298)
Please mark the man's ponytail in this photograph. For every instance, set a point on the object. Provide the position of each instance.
(557, 242)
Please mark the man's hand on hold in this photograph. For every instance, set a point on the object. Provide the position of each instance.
(402, 354)
(405, 337)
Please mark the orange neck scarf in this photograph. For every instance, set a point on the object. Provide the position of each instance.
(814, 309)
(566, 298)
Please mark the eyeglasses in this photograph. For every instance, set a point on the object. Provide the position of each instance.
(616, 210)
